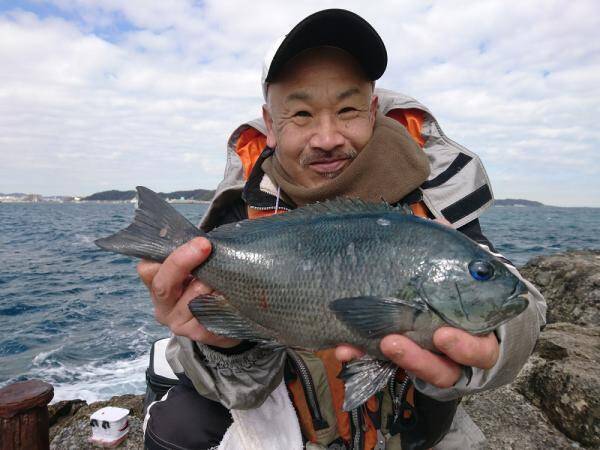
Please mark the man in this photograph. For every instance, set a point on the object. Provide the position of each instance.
(325, 136)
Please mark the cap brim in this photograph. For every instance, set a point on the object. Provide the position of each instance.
(336, 28)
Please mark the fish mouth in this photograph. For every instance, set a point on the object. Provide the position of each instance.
(519, 292)
(518, 297)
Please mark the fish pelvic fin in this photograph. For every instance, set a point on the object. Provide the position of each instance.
(364, 377)
(375, 317)
(219, 317)
(156, 231)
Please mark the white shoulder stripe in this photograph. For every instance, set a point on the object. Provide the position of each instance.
(497, 255)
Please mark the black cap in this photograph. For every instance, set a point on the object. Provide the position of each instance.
(336, 28)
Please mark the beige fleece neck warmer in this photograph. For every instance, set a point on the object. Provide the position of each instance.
(388, 168)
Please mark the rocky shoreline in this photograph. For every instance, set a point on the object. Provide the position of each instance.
(554, 402)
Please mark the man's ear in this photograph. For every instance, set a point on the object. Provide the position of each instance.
(373, 108)
(268, 119)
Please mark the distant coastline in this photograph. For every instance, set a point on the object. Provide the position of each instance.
(112, 196)
(517, 202)
(189, 196)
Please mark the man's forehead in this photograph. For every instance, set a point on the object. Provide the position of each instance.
(305, 96)
(310, 65)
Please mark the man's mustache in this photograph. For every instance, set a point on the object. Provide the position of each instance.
(320, 156)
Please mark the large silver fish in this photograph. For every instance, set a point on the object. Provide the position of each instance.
(342, 271)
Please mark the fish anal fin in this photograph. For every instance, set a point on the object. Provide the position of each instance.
(363, 378)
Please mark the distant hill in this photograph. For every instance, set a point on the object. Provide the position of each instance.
(516, 202)
(123, 196)
(111, 196)
(196, 194)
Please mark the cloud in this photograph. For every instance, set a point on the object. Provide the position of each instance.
(97, 94)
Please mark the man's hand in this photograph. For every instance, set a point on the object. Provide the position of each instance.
(443, 371)
(172, 288)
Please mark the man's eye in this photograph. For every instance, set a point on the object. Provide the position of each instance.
(347, 111)
(302, 114)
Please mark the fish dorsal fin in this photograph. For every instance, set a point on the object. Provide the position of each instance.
(341, 205)
(338, 207)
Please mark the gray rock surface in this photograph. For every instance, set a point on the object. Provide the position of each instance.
(563, 380)
(570, 283)
(509, 421)
(73, 431)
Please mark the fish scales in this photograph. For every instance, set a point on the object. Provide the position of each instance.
(349, 255)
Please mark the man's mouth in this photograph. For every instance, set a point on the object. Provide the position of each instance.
(329, 166)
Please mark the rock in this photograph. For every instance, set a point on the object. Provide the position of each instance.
(563, 380)
(509, 421)
(73, 432)
(570, 282)
(76, 436)
(62, 409)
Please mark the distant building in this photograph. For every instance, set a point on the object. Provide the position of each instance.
(34, 198)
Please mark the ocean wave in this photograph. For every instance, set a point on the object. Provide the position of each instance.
(42, 357)
(93, 381)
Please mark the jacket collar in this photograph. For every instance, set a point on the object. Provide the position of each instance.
(259, 191)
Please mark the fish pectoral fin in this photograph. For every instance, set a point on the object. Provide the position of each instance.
(364, 377)
(219, 317)
(374, 317)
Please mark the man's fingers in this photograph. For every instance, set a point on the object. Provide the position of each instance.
(147, 271)
(197, 332)
(466, 349)
(168, 281)
(431, 368)
(193, 330)
(345, 353)
(180, 311)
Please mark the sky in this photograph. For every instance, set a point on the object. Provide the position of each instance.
(98, 95)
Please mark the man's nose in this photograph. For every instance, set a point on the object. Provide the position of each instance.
(326, 135)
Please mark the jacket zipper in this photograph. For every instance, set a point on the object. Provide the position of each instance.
(308, 385)
(357, 440)
(397, 396)
(265, 208)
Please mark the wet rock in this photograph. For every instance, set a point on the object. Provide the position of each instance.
(63, 409)
(509, 421)
(570, 282)
(562, 379)
(74, 431)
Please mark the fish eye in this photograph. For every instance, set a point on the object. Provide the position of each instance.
(481, 270)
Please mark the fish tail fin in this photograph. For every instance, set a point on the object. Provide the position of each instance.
(156, 231)
(364, 377)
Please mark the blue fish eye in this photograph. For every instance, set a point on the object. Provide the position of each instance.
(481, 270)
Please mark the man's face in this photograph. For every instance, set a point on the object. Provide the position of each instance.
(319, 115)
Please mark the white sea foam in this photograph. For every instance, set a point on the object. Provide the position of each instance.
(93, 382)
(41, 357)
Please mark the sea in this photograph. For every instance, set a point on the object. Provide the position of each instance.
(79, 318)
